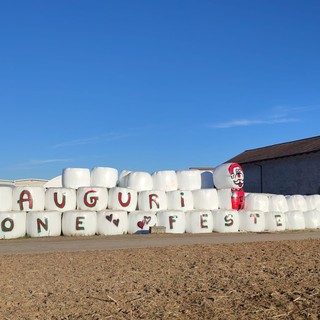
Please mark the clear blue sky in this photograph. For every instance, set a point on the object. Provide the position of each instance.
(153, 85)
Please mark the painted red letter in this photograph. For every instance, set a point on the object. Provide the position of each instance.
(228, 220)
(42, 224)
(93, 200)
(28, 199)
(4, 228)
(62, 204)
(124, 204)
(203, 221)
(79, 222)
(155, 199)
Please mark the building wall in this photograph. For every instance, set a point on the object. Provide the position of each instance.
(291, 175)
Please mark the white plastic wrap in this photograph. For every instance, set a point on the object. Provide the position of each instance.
(122, 199)
(165, 180)
(296, 202)
(75, 178)
(225, 221)
(92, 198)
(123, 179)
(5, 198)
(139, 181)
(252, 221)
(79, 223)
(312, 219)
(275, 221)
(278, 203)
(180, 200)
(228, 175)
(104, 177)
(206, 179)
(12, 225)
(189, 179)
(199, 221)
(313, 202)
(43, 224)
(256, 201)
(295, 220)
(139, 222)
(173, 220)
(154, 200)
(205, 199)
(28, 199)
(112, 222)
(60, 199)
(231, 199)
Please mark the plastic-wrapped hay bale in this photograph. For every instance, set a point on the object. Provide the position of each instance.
(252, 221)
(189, 179)
(75, 177)
(165, 180)
(278, 203)
(104, 177)
(79, 223)
(44, 224)
(173, 220)
(5, 198)
(180, 200)
(225, 221)
(139, 222)
(13, 225)
(228, 176)
(256, 201)
(312, 219)
(275, 221)
(295, 220)
(231, 199)
(313, 202)
(199, 221)
(122, 199)
(60, 199)
(123, 179)
(112, 222)
(205, 199)
(28, 199)
(154, 200)
(139, 181)
(92, 198)
(297, 202)
(206, 179)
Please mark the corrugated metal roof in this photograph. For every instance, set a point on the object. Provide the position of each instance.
(279, 150)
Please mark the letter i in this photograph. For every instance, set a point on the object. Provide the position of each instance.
(182, 199)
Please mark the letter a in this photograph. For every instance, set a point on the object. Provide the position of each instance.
(28, 199)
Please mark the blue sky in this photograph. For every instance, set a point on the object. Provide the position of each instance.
(153, 85)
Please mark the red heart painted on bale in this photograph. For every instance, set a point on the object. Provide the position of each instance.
(109, 217)
(140, 224)
(116, 222)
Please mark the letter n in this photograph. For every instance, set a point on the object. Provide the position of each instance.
(42, 224)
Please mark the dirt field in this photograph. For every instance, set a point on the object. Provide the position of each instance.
(266, 280)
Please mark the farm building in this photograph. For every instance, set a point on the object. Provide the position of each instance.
(285, 168)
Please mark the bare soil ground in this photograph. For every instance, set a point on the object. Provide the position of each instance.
(265, 280)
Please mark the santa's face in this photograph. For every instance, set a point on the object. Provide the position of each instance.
(236, 175)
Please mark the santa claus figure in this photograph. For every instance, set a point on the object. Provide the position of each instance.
(236, 174)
